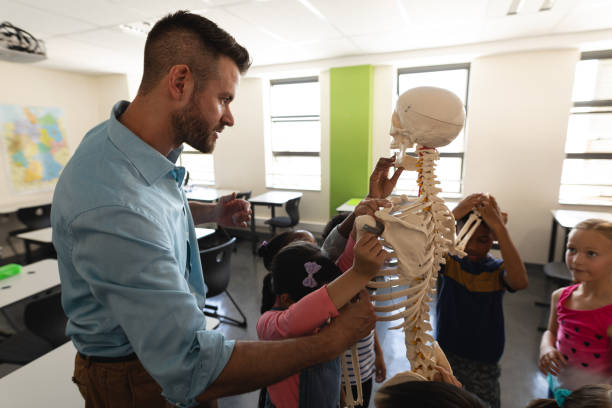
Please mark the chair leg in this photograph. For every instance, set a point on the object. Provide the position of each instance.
(227, 319)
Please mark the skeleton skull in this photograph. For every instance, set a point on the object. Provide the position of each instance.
(428, 116)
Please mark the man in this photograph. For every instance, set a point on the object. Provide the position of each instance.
(132, 284)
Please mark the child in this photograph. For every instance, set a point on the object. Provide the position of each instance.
(425, 394)
(370, 354)
(268, 249)
(308, 289)
(589, 396)
(576, 348)
(470, 320)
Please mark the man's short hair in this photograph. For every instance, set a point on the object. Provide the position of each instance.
(190, 39)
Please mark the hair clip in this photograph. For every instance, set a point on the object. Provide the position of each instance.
(264, 243)
(311, 269)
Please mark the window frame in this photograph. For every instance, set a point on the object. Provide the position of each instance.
(293, 118)
(438, 68)
(596, 105)
(191, 180)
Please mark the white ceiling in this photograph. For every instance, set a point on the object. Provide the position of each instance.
(83, 35)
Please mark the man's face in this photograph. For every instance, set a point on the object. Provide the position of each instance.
(208, 112)
(479, 244)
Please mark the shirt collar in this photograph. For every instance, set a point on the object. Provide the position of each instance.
(150, 163)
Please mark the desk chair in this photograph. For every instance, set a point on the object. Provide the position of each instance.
(45, 324)
(216, 268)
(33, 218)
(557, 275)
(293, 212)
(245, 195)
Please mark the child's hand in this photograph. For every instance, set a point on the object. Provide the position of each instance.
(443, 375)
(381, 368)
(551, 361)
(466, 205)
(380, 183)
(368, 207)
(369, 255)
(491, 214)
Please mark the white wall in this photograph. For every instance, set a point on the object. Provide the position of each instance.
(239, 155)
(518, 112)
(85, 100)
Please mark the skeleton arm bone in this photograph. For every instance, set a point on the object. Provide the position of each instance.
(468, 230)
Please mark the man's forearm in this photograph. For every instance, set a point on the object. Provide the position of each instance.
(202, 212)
(256, 364)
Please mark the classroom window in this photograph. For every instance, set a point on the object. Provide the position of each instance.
(587, 167)
(293, 158)
(449, 169)
(199, 165)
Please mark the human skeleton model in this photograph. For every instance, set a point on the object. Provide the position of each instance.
(419, 233)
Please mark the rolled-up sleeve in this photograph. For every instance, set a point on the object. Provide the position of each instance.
(130, 265)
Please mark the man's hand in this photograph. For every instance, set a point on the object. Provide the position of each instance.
(232, 212)
(380, 183)
(369, 255)
(355, 321)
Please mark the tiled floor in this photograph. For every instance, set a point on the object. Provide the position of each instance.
(520, 382)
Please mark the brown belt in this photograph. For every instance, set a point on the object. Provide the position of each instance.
(99, 359)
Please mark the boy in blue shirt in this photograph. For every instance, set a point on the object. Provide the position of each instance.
(470, 318)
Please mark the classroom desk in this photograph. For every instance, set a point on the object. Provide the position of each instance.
(45, 382)
(350, 204)
(206, 194)
(34, 278)
(40, 237)
(203, 232)
(567, 219)
(271, 199)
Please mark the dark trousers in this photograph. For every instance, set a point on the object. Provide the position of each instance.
(124, 384)
(366, 389)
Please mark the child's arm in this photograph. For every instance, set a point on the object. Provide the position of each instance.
(381, 186)
(516, 274)
(466, 205)
(379, 362)
(551, 361)
(367, 206)
(300, 319)
(369, 257)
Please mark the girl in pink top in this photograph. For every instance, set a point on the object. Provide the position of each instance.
(576, 348)
(308, 289)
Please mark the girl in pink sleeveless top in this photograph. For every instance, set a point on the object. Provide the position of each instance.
(576, 348)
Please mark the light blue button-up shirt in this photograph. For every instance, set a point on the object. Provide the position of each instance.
(129, 263)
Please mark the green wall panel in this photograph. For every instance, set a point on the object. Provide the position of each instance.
(350, 109)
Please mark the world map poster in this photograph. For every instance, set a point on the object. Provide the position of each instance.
(33, 145)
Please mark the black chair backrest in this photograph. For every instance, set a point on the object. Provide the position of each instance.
(35, 217)
(216, 266)
(45, 318)
(245, 195)
(292, 208)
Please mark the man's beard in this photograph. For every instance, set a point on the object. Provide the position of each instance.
(190, 128)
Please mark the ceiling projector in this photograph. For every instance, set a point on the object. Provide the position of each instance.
(17, 45)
